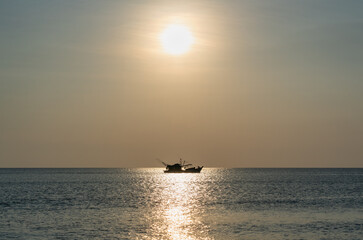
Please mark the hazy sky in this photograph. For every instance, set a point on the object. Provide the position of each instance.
(267, 83)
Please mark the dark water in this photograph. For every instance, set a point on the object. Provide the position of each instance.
(148, 204)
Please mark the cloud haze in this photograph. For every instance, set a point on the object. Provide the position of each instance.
(267, 84)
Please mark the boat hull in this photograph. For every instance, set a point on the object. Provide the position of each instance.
(190, 170)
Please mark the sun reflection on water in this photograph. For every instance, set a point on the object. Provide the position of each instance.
(178, 215)
(177, 220)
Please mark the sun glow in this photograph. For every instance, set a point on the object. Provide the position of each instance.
(176, 39)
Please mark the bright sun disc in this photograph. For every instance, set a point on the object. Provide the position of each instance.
(176, 39)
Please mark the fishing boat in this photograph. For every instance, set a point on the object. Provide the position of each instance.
(181, 167)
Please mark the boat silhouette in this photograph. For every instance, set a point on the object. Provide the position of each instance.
(181, 167)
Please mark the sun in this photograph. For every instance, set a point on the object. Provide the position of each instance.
(176, 39)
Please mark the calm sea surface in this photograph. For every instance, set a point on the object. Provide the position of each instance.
(148, 204)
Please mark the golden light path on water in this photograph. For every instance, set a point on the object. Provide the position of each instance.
(178, 214)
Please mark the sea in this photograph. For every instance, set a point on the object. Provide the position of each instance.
(146, 203)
